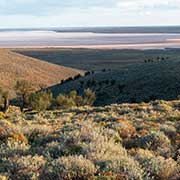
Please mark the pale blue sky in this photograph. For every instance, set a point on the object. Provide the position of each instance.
(71, 13)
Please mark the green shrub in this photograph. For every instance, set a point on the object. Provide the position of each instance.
(64, 102)
(40, 101)
(72, 99)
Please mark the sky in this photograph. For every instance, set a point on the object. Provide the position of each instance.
(82, 13)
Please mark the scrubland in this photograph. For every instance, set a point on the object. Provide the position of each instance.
(137, 141)
(119, 76)
(98, 59)
(115, 142)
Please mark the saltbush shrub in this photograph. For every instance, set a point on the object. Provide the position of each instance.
(157, 166)
(125, 166)
(153, 141)
(69, 168)
(26, 167)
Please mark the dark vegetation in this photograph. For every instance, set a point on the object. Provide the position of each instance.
(144, 82)
(118, 76)
(98, 60)
(27, 99)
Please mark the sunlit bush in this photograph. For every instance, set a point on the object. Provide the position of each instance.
(68, 168)
(26, 167)
(153, 141)
(157, 166)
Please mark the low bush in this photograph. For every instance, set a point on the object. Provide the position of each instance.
(40, 101)
(72, 99)
(157, 166)
(69, 168)
(64, 102)
(153, 141)
(26, 167)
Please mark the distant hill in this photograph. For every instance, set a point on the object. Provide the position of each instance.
(14, 66)
(138, 83)
(140, 29)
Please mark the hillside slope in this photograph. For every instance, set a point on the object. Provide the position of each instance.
(137, 83)
(116, 142)
(14, 66)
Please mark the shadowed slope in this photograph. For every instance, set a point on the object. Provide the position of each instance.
(138, 83)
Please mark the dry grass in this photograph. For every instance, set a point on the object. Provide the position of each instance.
(14, 66)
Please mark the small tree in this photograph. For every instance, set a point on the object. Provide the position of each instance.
(78, 100)
(40, 101)
(89, 97)
(5, 99)
(23, 89)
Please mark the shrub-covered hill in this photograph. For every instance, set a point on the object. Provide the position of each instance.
(14, 66)
(116, 142)
(138, 83)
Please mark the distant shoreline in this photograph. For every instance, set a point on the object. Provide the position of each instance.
(114, 46)
(72, 40)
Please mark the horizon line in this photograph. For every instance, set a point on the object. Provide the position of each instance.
(72, 27)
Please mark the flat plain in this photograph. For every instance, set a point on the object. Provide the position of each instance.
(98, 59)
